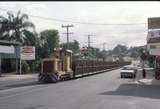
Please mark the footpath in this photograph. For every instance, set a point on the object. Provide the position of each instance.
(149, 79)
(14, 80)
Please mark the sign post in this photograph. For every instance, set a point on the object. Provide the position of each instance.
(153, 37)
(0, 66)
(20, 67)
(27, 53)
(153, 41)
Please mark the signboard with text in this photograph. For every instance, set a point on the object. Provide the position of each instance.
(28, 53)
(154, 23)
(154, 49)
(153, 37)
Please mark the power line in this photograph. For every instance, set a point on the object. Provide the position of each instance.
(86, 23)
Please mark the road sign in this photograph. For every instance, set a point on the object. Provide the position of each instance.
(153, 37)
(28, 53)
(154, 48)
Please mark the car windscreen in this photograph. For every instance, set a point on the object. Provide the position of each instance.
(127, 68)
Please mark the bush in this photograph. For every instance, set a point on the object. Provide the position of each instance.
(38, 66)
(25, 67)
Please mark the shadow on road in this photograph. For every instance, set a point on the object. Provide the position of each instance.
(137, 90)
(33, 83)
(24, 84)
(18, 85)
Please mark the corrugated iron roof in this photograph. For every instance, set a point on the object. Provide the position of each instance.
(5, 42)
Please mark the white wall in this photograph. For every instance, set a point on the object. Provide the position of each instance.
(154, 51)
(7, 49)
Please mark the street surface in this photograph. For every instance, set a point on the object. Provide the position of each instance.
(101, 91)
(8, 81)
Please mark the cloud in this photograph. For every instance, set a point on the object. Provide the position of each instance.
(98, 12)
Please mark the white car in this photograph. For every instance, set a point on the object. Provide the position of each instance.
(128, 71)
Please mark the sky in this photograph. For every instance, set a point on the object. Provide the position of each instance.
(135, 14)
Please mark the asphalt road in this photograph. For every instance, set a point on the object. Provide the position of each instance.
(17, 81)
(102, 91)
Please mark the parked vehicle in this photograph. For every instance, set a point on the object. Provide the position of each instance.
(128, 71)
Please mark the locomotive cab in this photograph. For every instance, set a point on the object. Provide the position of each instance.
(57, 66)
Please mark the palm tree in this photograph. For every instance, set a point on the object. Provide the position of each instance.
(17, 28)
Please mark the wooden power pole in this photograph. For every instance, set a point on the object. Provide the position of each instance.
(67, 33)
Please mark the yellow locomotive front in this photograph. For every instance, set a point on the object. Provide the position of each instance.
(57, 67)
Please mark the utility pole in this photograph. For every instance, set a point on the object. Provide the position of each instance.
(67, 33)
(104, 46)
(89, 42)
(104, 49)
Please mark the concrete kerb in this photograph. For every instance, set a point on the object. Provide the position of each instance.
(6, 77)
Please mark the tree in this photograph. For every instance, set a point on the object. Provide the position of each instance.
(93, 53)
(120, 50)
(143, 55)
(49, 40)
(133, 52)
(32, 38)
(17, 28)
(74, 46)
(150, 59)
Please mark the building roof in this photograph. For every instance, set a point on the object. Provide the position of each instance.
(5, 42)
